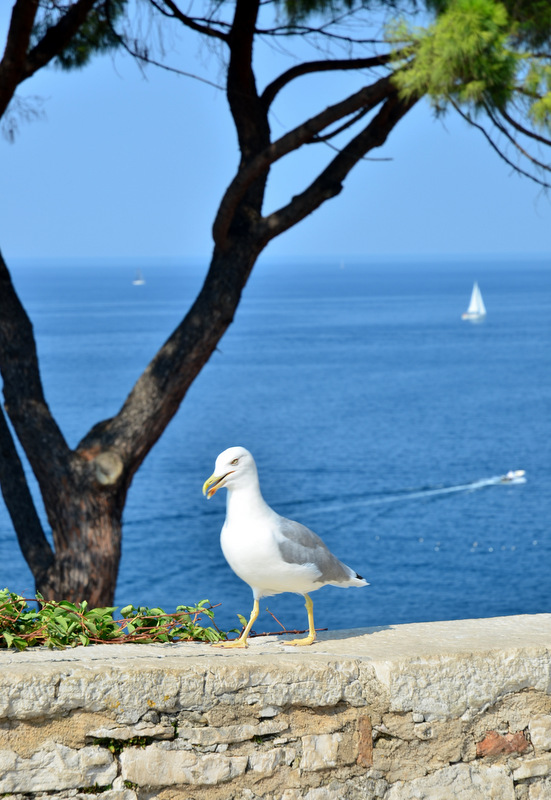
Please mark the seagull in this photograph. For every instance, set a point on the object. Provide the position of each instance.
(269, 552)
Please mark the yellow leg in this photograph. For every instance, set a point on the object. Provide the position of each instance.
(312, 631)
(242, 641)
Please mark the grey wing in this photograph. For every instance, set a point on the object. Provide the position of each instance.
(299, 545)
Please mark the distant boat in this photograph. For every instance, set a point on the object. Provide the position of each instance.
(139, 280)
(514, 476)
(476, 310)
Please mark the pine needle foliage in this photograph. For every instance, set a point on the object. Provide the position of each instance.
(96, 35)
(478, 55)
(298, 10)
(532, 19)
(464, 55)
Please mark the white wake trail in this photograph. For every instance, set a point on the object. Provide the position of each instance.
(417, 494)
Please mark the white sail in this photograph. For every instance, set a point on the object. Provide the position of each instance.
(476, 306)
(476, 309)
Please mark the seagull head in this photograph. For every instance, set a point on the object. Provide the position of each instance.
(234, 467)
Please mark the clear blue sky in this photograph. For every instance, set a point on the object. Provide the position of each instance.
(122, 166)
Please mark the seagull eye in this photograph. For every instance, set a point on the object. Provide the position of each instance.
(235, 462)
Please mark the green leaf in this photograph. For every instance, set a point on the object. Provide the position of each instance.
(66, 624)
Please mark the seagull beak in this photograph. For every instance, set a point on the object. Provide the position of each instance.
(215, 482)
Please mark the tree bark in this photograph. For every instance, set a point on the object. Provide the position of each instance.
(86, 523)
(15, 53)
(19, 502)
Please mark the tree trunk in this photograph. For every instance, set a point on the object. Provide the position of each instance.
(88, 532)
(84, 490)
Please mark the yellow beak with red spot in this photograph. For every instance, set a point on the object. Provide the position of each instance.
(215, 482)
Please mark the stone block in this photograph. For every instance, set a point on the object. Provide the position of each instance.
(126, 732)
(265, 762)
(458, 782)
(320, 751)
(230, 734)
(449, 685)
(317, 793)
(540, 732)
(158, 765)
(539, 790)
(533, 768)
(56, 767)
(281, 685)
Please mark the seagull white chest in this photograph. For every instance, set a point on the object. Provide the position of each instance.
(250, 543)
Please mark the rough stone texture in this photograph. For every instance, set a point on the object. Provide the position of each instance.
(320, 752)
(435, 711)
(160, 765)
(265, 763)
(540, 790)
(126, 732)
(533, 768)
(460, 782)
(540, 732)
(55, 766)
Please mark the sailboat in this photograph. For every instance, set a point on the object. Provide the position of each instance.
(139, 280)
(476, 310)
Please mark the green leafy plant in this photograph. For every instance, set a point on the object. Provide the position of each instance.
(64, 624)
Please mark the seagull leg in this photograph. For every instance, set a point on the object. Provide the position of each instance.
(312, 631)
(242, 641)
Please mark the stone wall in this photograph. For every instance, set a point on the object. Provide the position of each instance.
(437, 711)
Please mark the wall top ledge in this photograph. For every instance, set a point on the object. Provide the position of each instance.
(414, 642)
(440, 670)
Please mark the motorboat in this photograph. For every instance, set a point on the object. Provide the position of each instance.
(514, 476)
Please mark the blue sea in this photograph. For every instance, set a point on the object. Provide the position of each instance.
(377, 417)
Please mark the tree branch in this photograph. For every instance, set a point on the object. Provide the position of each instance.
(15, 52)
(327, 65)
(329, 183)
(190, 22)
(157, 394)
(249, 114)
(513, 141)
(345, 126)
(531, 134)
(19, 502)
(26, 406)
(146, 58)
(57, 37)
(368, 97)
(494, 146)
(306, 30)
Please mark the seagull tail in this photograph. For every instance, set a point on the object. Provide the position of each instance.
(353, 580)
(359, 581)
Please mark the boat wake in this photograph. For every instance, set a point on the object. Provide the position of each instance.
(511, 478)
